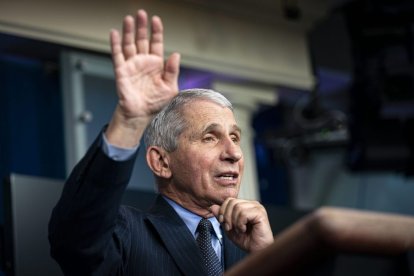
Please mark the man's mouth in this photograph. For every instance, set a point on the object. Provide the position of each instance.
(228, 176)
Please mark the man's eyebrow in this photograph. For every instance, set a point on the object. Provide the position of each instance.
(213, 126)
(210, 128)
(237, 129)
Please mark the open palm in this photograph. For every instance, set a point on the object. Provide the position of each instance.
(144, 82)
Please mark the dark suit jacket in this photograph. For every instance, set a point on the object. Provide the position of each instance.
(91, 234)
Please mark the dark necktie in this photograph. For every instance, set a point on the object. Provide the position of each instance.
(211, 261)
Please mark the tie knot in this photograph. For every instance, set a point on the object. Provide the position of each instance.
(204, 226)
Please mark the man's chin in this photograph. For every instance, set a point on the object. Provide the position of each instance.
(222, 198)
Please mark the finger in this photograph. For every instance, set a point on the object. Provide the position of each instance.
(239, 215)
(128, 45)
(240, 223)
(252, 213)
(228, 209)
(215, 209)
(116, 49)
(157, 37)
(243, 214)
(172, 69)
(223, 208)
(141, 35)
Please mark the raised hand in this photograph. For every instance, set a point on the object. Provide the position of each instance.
(145, 83)
(245, 222)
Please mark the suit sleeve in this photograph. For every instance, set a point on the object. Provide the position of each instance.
(87, 236)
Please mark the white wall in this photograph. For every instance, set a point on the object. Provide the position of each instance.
(209, 39)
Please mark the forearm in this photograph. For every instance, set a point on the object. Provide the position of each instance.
(83, 221)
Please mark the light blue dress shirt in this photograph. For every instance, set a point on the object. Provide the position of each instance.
(117, 153)
(190, 219)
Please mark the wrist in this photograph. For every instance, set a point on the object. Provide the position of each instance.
(126, 132)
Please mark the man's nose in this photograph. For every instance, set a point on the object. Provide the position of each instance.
(232, 151)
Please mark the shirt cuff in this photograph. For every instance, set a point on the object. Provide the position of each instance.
(117, 153)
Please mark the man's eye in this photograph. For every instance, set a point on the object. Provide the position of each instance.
(235, 139)
(208, 138)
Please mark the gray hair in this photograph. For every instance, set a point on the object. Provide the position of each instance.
(169, 123)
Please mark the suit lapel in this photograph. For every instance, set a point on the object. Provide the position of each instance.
(176, 237)
(232, 254)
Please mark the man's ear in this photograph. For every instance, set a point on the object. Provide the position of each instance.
(158, 161)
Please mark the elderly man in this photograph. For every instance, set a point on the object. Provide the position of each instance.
(197, 226)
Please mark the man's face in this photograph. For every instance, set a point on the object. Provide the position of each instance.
(208, 164)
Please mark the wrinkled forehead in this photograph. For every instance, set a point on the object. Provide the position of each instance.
(202, 114)
(200, 108)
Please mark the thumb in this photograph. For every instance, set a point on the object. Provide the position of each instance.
(215, 210)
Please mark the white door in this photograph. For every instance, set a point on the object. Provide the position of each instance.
(89, 99)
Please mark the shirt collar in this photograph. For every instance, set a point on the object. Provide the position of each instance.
(191, 220)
